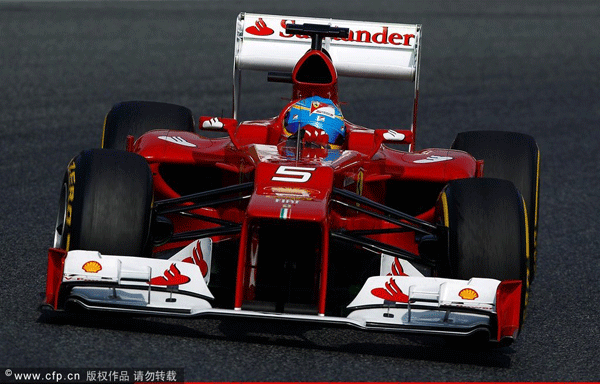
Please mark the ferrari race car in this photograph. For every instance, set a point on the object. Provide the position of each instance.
(304, 216)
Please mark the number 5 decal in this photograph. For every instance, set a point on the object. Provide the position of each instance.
(293, 174)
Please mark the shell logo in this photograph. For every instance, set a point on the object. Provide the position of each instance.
(468, 294)
(92, 267)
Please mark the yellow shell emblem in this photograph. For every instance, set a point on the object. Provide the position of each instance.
(92, 267)
(468, 294)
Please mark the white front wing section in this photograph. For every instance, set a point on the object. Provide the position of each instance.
(425, 302)
(134, 284)
(178, 288)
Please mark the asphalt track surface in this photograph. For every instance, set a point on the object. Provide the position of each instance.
(510, 65)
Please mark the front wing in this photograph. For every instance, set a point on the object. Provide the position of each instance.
(178, 287)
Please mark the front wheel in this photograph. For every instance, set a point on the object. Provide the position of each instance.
(510, 156)
(106, 204)
(487, 231)
(138, 117)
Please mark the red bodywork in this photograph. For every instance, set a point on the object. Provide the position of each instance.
(297, 187)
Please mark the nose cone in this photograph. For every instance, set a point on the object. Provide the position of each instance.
(290, 192)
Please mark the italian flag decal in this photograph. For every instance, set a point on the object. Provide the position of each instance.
(284, 213)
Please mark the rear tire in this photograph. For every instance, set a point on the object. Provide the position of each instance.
(487, 231)
(138, 117)
(510, 156)
(106, 204)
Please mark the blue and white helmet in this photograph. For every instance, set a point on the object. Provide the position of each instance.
(317, 112)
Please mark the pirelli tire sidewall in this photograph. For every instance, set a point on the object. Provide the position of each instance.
(107, 203)
(138, 117)
(488, 232)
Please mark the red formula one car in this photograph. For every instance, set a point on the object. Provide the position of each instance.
(304, 216)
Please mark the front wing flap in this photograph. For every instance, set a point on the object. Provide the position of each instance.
(426, 303)
(124, 283)
(410, 304)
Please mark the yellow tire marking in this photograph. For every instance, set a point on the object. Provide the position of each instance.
(103, 131)
(526, 287)
(445, 210)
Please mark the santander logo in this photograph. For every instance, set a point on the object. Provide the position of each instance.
(171, 276)
(381, 35)
(198, 259)
(260, 28)
(391, 292)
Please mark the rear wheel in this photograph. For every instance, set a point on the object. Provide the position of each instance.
(487, 231)
(510, 156)
(105, 204)
(138, 117)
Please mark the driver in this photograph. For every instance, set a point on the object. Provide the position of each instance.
(321, 119)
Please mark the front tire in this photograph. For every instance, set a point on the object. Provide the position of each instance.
(106, 204)
(487, 231)
(510, 156)
(138, 117)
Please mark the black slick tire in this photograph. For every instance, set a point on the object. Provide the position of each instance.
(106, 204)
(138, 117)
(510, 156)
(487, 231)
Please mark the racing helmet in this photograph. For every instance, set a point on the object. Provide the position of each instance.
(319, 113)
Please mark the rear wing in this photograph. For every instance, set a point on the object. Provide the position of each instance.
(372, 49)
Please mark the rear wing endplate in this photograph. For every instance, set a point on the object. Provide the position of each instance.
(372, 49)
